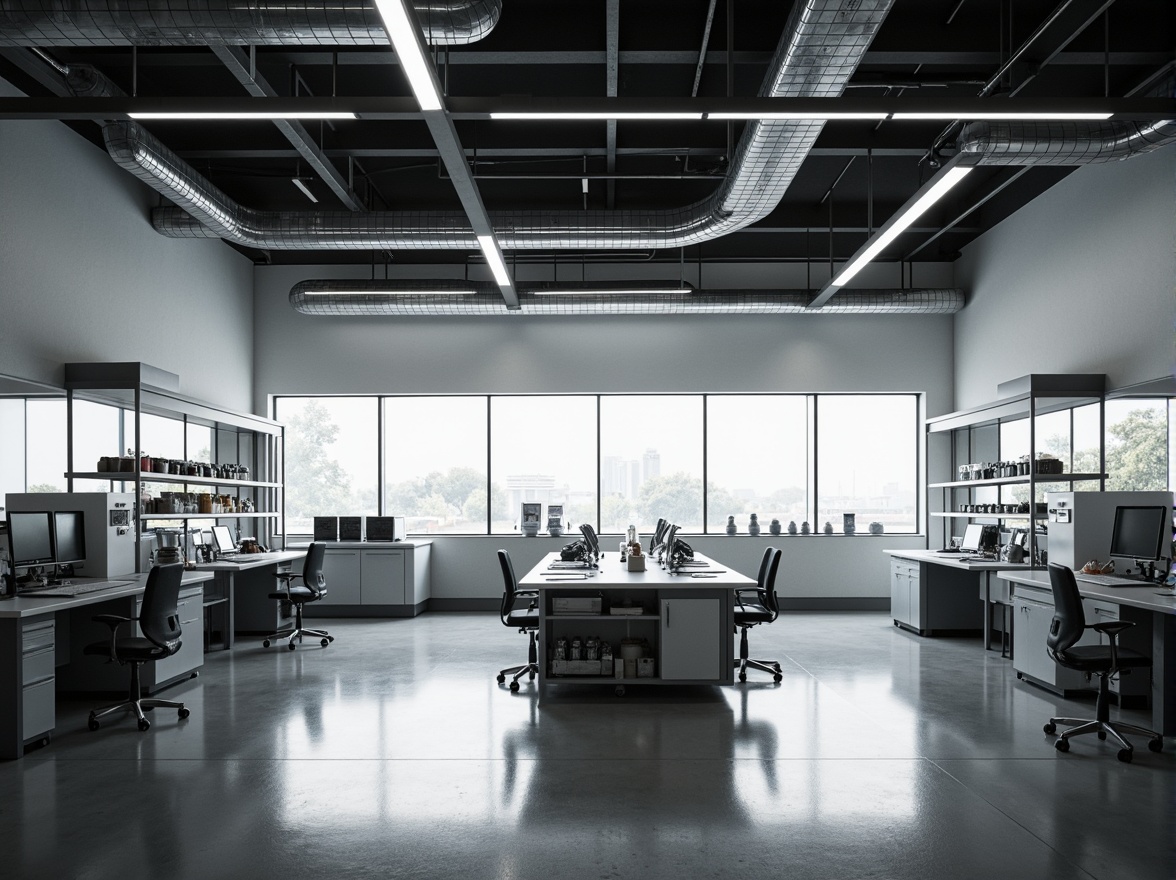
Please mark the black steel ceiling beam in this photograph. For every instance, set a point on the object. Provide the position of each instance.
(238, 64)
(384, 108)
(612, 64)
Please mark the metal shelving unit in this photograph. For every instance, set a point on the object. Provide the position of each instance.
(974, 435)
(237, 438)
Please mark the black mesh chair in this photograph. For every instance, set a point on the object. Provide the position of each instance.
(312, 588)
(525, 620)
(754, 606)
(159, 622)
(1066, 628)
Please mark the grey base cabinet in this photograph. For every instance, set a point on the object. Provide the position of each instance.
(1033, 611)
(374, 580)
(928, 599)
(38, 682)
(691, 639)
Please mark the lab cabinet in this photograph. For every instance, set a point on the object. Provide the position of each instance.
(927, 599)
(905, 603)
(691, 639)
(38, 683)
(374, 580)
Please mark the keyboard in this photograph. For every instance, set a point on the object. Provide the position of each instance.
(243, 558)
(1114, 580)
(69, 591)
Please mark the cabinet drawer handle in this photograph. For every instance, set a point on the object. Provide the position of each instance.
(30, 684)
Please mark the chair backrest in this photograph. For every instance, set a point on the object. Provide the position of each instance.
(312, 569)
(1069, 620)
(159, 618)
(766, 582)
(510, 586)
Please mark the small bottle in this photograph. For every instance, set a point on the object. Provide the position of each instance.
(632, 534)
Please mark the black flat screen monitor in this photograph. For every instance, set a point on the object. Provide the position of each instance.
(224, 539)
(30, 538)
(1139, 532)
(69, 536)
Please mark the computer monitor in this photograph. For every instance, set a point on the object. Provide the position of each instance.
(223, 539)
(30, 538)
(971, 540)
(69, 536)
(1139, 532)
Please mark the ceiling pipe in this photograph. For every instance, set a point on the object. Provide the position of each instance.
(822, 46)
(339, 297)
(233, 23)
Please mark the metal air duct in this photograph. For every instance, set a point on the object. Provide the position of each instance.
(822, 46)
(434, 298)
(233, 23)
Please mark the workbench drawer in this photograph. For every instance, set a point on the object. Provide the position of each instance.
(38, 708)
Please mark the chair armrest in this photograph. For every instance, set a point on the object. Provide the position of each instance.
(1111, 627)
(114, 621)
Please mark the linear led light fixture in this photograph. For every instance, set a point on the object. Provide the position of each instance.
(573, 116)
(305, 190)
(494, 260)
(1013, 116)
(617, 291)
(213, 114)
(406, 41)
(422, 291)
(946, 179)
(786, 114)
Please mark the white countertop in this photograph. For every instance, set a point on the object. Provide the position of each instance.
(952, 560)
(1130, 593)
(30, 606)
(247, 563)
(371, 545)
(613, 575)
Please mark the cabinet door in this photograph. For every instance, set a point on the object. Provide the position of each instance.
(383, 577)
(1029, 633)
(341, 568)
(191, 654)
(915, 591)
(900, 591)
(690, 639)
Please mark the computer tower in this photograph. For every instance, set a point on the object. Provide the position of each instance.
(1080, 523)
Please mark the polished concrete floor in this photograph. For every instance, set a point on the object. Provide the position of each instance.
(394, 753)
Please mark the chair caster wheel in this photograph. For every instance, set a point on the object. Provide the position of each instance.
(330, 638)
(292, 646)
(514, 686)
(531, 675)
(501, 679)
(743, 676)
(93, 723)
(144, 725)
(325, 642)
(1062, 745)
(266, 643)
(1050, 728)
(619, 690)
(1019, 676)
(1156, 744)
(777, 678)
(1125, 755)
(185, 712)
(1102, 734)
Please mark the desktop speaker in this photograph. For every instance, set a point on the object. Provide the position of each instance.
(326, 528)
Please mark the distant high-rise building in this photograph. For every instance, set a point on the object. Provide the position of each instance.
(651, 464)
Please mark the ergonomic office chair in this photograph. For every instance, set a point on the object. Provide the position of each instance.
(526, 620)
(1066, 628)
(313, 588)
(754, 606)
(159, 621)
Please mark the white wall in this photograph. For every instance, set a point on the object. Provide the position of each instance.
(1078, 281)
(84, 277)
(301, 354)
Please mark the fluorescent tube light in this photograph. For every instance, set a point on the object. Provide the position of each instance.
(406, 41)
(304, 188)
(620, 116)
(625, 291)
(1010, 116)
(785, 114)
(286, 114)
(946, 180)
(424, 291)
(494, 260)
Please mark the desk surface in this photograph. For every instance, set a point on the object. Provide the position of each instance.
(30, 606)
(247, 562)
(1133, 593)
(952, 560)
(613, 575)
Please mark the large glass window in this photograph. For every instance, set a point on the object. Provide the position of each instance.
(47, 440)
(1137, 445)
(757, 454)
(543, 449)
(435, 463)
(12, 447)
(331, 458)
(650, 462)
(867, 461)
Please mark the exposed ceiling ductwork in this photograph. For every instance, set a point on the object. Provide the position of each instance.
(432, 298)
(213, 23)
(823, 44)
